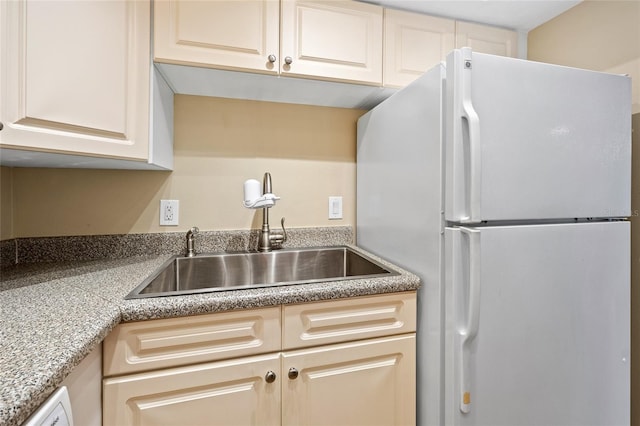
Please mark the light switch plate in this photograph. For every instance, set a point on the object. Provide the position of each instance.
(335, 207)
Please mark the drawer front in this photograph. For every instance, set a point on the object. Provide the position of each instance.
(324, 323)
(146, 345)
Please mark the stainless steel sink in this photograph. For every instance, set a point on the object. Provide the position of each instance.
(232, 271)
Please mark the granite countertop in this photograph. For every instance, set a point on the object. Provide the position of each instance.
(54, 314)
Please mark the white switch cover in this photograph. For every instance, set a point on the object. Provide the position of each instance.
(335, 207)
(169, 210)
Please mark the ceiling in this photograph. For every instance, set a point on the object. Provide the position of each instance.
(521, 15)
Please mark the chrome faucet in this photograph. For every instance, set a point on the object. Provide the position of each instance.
(268, 241)
(191, 245)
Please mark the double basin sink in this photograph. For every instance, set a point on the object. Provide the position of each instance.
(244, 270)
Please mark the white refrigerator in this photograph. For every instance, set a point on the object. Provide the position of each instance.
(505, 184)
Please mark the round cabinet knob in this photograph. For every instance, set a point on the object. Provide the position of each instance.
(288, 60)
(293, 373)
(1, 125)
(272, 58)
(270, 377)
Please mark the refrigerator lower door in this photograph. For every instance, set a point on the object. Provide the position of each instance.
(537, 323)
(530, 141)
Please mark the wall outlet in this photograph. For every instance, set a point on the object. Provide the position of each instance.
(335, 207)
(169, 210)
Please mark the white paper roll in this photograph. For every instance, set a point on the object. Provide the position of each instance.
(251, 191)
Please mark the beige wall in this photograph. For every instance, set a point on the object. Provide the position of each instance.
(6, 203)
(219, 143)
(605, 36)
(602, 35)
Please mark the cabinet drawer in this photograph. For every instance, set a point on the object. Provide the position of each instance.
(324, 323)
(146, 345)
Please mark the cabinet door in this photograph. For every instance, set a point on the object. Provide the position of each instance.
(486, 39)
(371, 382)
(333, 40)
(75, 77)
(234, 34)
(234, 392)
(413, 43)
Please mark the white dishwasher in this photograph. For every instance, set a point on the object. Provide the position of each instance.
(56, 411)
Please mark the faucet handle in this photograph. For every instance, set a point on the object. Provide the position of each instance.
(278, 239)
(284, 231)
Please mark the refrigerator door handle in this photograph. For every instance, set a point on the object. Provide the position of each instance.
(470, 330)
(471, 120)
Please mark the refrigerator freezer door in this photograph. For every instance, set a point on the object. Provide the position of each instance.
(528, 141)
(537, 325)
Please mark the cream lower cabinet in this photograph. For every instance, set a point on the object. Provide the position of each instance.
(199, 370)
(370, 382)
(221, 393)
(341, 363)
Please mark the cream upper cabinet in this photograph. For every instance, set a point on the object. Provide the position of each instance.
(414, 43)
(339, 40)
(76, 78)
(234, 34)
(486, 39)
(327, 40)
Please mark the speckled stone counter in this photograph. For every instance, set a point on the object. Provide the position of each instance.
(53, 315)
(47, 327)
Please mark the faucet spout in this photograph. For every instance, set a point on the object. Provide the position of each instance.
(266, 183)
(268, 240)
